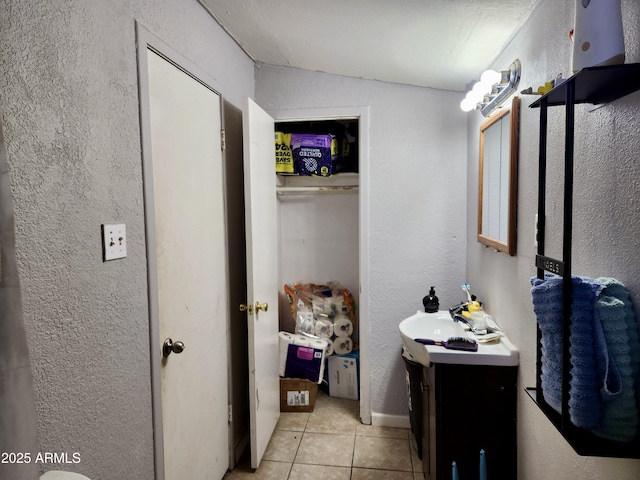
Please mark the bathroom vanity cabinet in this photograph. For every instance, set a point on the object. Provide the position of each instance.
(468, 408)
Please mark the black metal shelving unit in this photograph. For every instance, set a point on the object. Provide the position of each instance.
(595, 85)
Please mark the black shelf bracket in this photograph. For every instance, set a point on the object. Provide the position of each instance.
(591, 85)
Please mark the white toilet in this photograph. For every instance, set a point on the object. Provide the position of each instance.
(58, 475)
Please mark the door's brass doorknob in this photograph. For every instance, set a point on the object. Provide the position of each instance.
(246, 308)
(262, 306)
(170, 346)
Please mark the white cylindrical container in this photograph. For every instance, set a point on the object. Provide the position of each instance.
(598, 38)
(60, 475)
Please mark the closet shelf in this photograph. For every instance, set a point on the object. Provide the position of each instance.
(316, 189)
(303, 184)
(594, 85)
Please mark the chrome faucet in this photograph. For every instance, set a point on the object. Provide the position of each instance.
(457, 316)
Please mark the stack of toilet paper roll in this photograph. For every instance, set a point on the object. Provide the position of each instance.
(301, 356)
(335, 329)
(326, 312)
(337, 332)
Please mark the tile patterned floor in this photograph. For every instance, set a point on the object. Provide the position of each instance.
(330, 443)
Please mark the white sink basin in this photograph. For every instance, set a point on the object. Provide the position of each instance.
(440, 326)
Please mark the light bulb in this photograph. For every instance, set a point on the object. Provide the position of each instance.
(467, 104)
(475, 96)
(491, 77)
(480, 88)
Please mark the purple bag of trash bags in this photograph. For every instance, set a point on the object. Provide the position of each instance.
(315, 154)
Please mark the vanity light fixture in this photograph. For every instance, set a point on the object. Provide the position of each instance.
(492, 89)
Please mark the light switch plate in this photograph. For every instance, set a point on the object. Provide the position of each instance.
(114, 241)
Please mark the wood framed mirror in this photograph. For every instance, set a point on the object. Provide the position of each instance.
(498, 179)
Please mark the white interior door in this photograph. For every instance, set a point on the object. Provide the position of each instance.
(262, 275)
(190, 253)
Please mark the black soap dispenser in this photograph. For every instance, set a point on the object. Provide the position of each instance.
(430, 302)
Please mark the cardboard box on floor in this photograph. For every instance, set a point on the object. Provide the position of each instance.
(342, 375)
(297, 395)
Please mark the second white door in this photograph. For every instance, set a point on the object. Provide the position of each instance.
(262, 276)
(190, 257)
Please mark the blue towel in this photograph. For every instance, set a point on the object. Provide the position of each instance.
(620, 417)
(616, 289)
(549, 317)
(587, 349)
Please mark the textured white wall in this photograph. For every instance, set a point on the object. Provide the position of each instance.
(606, 220)
(417, 167)
(69, 103)
(318, 243)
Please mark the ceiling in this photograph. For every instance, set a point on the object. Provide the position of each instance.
(444, 44)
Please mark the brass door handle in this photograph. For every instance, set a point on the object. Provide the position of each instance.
(262, 306)
(170, 346)
(251, 308)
